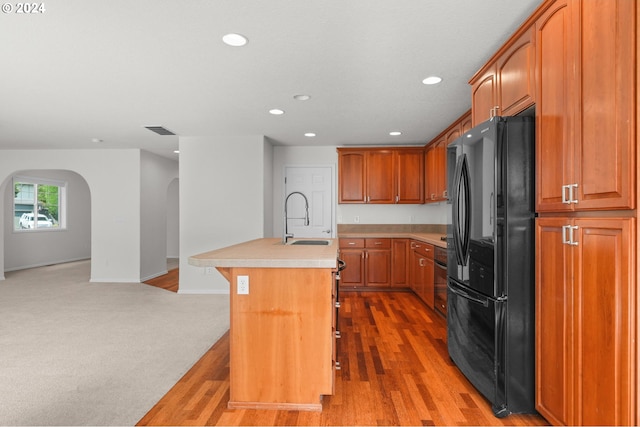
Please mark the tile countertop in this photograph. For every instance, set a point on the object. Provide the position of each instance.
(432, 238)
(270, 253)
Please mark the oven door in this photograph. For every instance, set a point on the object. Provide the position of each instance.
(475, 341)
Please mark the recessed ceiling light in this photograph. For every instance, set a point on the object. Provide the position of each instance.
(301, 97)
(432, 80)
(276, 112)
(395, 133)
(310, 134)
(235, 40)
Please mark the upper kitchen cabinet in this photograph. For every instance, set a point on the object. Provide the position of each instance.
(436, 159)
(381, 175)
(585, 109)
(506, 85)
(410, 169)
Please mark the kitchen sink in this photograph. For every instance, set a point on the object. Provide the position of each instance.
(310, 242)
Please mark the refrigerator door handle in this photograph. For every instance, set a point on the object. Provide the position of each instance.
(455, 198)
(464, 182)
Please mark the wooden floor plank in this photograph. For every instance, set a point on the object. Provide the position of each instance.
(395, 371)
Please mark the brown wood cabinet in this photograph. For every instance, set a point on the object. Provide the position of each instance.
(368, 262)
(585, 112)
(381, 175)
(506, 85)
(436, 159)
(282, 338)
(421, 275)
(585, 318)
(399, 263)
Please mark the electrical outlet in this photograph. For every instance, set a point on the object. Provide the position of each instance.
(208, 271)
(356, 219)
(243, 285)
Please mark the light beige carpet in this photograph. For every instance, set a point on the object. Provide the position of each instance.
(80, 353)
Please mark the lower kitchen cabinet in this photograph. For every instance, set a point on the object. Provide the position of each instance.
(421, 271)
(368, 262)
(585, 321)
(399, 263)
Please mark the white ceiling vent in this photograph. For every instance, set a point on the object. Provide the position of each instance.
(160, 130)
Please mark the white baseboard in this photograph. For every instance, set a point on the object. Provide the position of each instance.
(204, 292)
(107, 280)
(153, 276)
(44, 264)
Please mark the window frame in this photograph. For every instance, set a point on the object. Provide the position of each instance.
(62, 203)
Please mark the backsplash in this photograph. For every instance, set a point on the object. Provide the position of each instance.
(392, 228)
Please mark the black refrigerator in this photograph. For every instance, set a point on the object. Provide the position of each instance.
(490, 261)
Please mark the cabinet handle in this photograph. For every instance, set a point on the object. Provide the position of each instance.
(421, 262)
(571, 195)
(445, 194)
(338, 334)
(567, 235)
(363, 255)
(352, 243)
(397, 199)
(433, 196)
(337, 366)
(572, 242)
(378, 243)
(337, 304)
(494, 111)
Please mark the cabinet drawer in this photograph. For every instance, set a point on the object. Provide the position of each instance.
(351, 243)
(377, 243)
(424, 249)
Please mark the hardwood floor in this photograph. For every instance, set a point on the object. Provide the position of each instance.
(395, 371)
(167, 281)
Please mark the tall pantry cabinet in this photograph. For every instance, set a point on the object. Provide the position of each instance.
(586, 237)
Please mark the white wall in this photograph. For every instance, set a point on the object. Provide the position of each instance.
(222, 200)
(113, 177)
(173, 219)
(156, 173)
(38, 248)
(434, 213)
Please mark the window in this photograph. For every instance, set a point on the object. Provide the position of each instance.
(38, 204)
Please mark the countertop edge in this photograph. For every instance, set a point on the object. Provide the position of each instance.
(431, 238)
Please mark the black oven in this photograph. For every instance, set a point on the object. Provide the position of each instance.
(440, 280)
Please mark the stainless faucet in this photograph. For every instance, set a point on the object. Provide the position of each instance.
(286, 234)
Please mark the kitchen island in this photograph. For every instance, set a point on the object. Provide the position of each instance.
(282, 328)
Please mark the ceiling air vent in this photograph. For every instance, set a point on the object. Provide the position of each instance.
(160, 130)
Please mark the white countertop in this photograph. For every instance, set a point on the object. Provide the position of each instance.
(270, 253)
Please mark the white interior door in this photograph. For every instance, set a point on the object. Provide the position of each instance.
(316, 184)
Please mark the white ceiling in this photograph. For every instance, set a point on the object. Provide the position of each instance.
(104, 69)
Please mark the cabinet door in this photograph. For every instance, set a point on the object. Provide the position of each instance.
(605, 310)
(431, 173)
(378, 267)
(417, 273)
(428, 288)
(410, 176)
(351, 177)
(466, 124)
(516, 75)
(353, 274)
(553, 119)
(399, 262)
(554, 322)
(605, 137)
(483, 96)
(381, 183)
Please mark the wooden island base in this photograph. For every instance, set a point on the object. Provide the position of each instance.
(281, 338)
